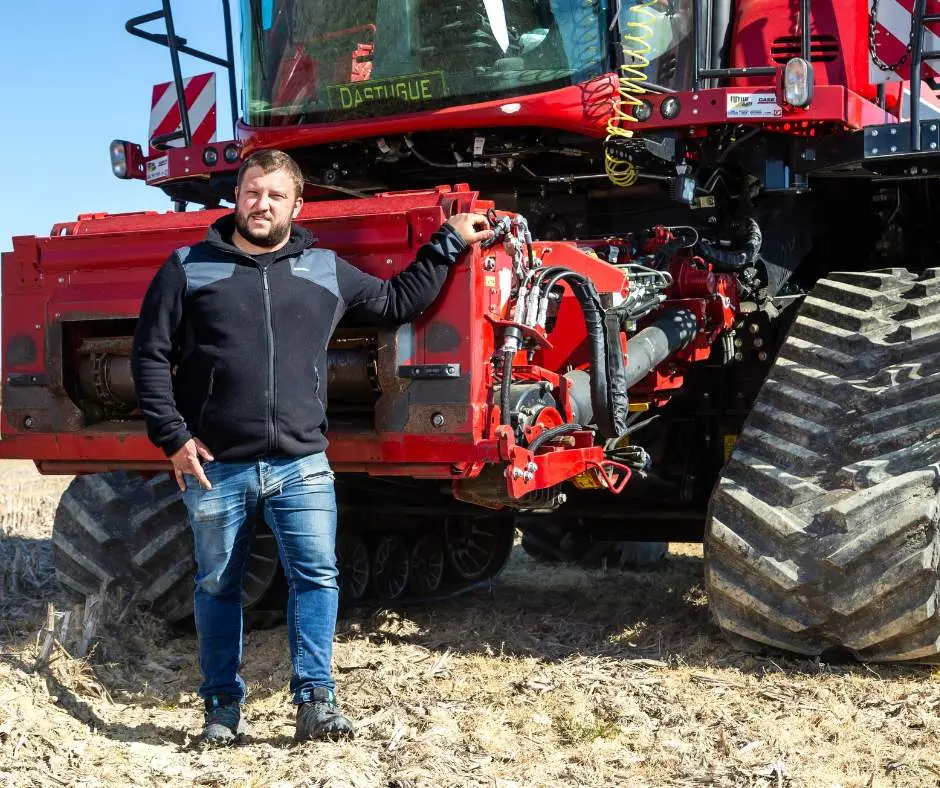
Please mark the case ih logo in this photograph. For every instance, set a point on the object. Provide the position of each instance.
(756, 99)
(753, 105)
(165, 111)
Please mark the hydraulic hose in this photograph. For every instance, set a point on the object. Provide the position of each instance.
(657, 342)
(504, 387)
(608, 392)
(731, 260)
(551, 434)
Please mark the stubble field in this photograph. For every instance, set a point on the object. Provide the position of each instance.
(550, 677)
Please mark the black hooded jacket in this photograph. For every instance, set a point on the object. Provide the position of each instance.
(247, 338)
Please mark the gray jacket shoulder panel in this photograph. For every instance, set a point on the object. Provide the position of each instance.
(202, 271)
(317, 266)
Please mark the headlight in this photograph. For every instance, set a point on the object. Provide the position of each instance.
(210, 156)
(643, 110)
(118, 150)
(230, 154)
(670, 107)
(798, 82)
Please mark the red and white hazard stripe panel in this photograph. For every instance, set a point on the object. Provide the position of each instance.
(893, 39)
(165, 111)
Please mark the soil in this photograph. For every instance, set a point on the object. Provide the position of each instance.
(552, 676)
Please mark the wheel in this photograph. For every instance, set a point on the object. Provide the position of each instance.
(390, 567)
(477, 547)
(133, 532)
(641, 555)
(352, 558)
(822, 532)
(427, 564)
(126, 531)
(556, 541)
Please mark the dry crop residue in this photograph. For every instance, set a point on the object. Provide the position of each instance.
(552, 677)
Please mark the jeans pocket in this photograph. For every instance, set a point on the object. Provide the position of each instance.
(318, 478)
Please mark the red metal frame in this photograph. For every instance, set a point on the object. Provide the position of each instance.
(843, 100)
(98, 268)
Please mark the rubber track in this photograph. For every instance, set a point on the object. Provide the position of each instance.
(125, 531)
(823, 530)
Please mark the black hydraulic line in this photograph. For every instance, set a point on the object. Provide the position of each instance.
(530, 252)
(541, 273)
(505, 386)
(608, 393)
(657, 342)
(735, 259)
(551, 434)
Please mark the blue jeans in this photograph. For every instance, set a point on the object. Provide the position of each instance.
(297, 498)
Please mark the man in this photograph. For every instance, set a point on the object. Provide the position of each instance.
(230, 366)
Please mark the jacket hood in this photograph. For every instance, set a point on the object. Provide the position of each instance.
(220, 234)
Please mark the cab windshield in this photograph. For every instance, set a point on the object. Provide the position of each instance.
(327, 60)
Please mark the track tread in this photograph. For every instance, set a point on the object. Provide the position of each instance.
(128, 531)
(823, 531)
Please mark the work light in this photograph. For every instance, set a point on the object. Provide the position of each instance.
(798, 82)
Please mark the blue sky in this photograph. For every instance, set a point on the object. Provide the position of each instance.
(72, 80)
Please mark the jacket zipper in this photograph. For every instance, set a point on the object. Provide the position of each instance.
(272, 388)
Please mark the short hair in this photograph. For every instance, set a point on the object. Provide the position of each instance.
(271, 160)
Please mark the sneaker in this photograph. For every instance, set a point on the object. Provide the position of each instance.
(321, 719)
(224, 723)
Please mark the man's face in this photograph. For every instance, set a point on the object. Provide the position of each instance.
(265, 204)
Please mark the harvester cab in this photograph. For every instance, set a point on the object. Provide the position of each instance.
(694, 301)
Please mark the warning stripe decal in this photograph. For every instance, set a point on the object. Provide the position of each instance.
(199, 92)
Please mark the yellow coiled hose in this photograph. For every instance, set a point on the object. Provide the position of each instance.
(636, 46)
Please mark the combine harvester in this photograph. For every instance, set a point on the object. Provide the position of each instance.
(712, 311)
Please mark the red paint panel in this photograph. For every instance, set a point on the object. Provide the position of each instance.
(581, 109)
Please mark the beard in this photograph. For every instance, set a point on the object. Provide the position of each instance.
(275, 234)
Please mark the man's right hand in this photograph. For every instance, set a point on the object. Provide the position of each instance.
(472, 227)
(187, 460)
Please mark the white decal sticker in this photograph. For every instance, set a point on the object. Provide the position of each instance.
(158, 168)
(753, 105)
(505, 287)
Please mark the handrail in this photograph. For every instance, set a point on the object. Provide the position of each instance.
(177, 45)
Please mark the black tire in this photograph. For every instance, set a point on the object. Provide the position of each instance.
(353, 564)
(477, 548)
(554, 542)
(822, 532)
(390, 567)
(133, 532)
(641, 555)
(128, 531)
(426, 564)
